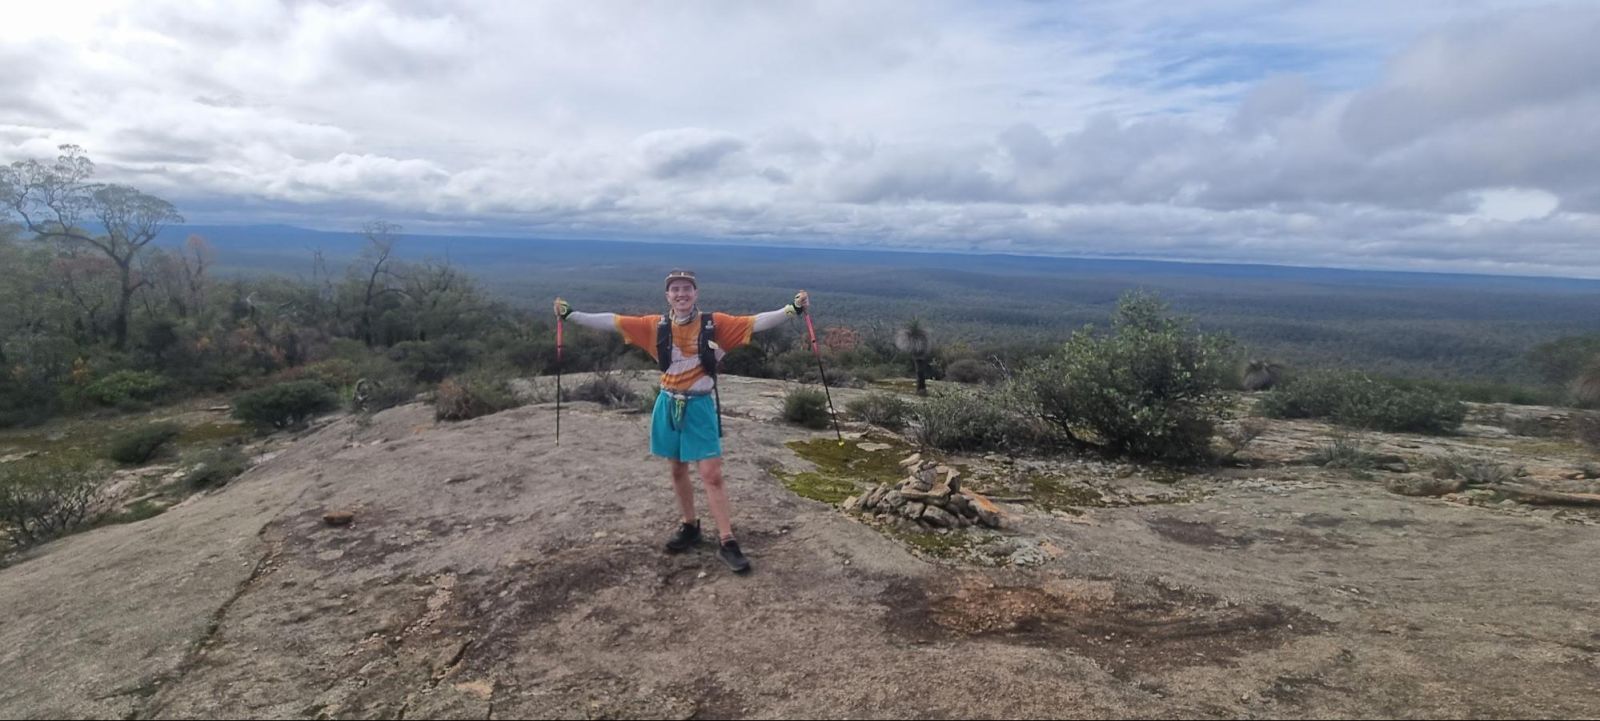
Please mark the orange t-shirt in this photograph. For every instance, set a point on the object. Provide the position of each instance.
(685, 374)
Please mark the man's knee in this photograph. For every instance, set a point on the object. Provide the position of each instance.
(711, 475)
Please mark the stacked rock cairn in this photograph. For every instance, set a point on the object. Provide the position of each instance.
(930, 495)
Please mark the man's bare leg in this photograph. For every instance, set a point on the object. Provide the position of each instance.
(717, 496)
(683, 489)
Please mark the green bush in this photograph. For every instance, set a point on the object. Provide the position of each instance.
(433, 361)
(1354, 399)
(214, 468)
(39, 502)
(807, 407)
(972, 370)
(1150, 389)
(959, 420)
(285, 405)
(886, 410)
(126, 388)
(748, 360)
(138, 446)
(1314, 395)
(473, 395)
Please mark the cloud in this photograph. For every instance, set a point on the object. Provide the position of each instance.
(685, 151)
(1427, 135)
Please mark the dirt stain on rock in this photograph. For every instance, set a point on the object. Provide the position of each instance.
(1129, 630)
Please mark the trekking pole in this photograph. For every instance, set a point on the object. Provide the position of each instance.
(558, 380)
(824, 374)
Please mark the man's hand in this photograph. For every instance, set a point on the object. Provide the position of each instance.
(563, 309)
(801, 302)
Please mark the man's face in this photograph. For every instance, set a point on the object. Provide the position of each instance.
(681, 295)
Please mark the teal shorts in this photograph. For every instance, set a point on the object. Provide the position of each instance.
(693, 437)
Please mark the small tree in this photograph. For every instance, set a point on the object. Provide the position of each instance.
(54, 201)
(1152, 388)
(40, 502)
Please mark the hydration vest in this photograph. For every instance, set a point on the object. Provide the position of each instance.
(708, 350)
(708, 354)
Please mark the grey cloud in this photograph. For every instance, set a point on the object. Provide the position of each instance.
(689, 151)
(1479, 69)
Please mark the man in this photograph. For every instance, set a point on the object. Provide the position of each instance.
(685, 427)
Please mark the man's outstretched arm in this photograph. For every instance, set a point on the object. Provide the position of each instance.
(774, 318)
(597, 321)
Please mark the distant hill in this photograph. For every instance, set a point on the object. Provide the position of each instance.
(1433, 325)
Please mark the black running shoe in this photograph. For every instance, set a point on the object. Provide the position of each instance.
(731, 555)
(687, 537)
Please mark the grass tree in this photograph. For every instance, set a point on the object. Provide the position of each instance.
(915, 339)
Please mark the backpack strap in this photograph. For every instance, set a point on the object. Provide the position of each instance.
(708, 351)
(664, 343)
(708, 348)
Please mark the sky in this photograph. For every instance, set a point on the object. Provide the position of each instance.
(1442, 136)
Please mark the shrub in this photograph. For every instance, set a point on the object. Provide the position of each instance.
(608, 389)
(1344, 452)
(748, 360)
(971, 370)
(1405, 410)
(40, 502)
(963, 421)
(138, 446)
(1474, 471)
(433, 361)
(284, 405)
(214, 468)
(126, 388)
(886, 410)
(806, 407)
(1355, 399)
(1314, 395)
(473, 395)
(1151, 389)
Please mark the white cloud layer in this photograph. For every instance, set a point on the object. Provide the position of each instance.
(1438, 136)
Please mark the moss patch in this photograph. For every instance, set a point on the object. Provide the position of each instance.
(848, 460)
(818, 487)
(843, 469)
(1548, 447)
(955, 545)
(1053, 493)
